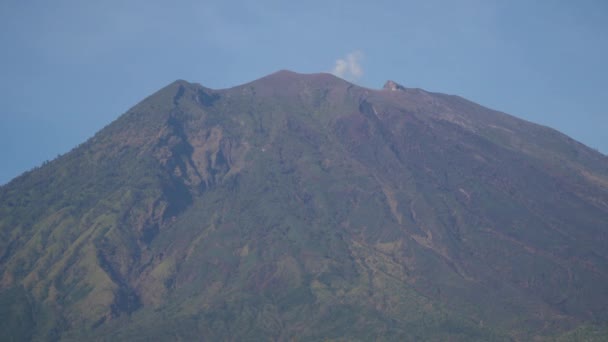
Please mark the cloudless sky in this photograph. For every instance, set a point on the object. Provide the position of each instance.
(68, 68)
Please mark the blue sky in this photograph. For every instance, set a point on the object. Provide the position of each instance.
(68, 68)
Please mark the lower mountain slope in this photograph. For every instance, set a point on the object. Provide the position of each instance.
(304, 207)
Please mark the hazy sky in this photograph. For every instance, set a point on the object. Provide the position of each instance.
(68, 68)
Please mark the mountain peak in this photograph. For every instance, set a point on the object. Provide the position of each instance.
(289, 81)
(288, 74)
(393, 86)
(283, 73)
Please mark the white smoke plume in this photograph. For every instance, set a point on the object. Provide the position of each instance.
(349, 67)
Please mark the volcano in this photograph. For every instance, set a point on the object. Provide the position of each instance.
(304, 207)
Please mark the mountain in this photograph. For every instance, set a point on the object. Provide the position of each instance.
(303, 207)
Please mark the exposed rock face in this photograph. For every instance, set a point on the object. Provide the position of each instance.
(303, 206)
(393, 86)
